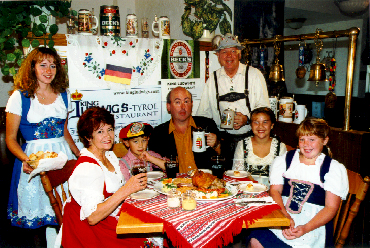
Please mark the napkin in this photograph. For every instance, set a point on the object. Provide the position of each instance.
(48, 164)
(267, 200)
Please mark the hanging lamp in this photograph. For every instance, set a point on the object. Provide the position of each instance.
(318, 70)
(276, 70)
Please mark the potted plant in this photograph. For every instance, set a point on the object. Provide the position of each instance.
(16, 19)
(207, 15)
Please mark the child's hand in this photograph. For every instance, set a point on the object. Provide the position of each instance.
(293, 233)
(145, 156)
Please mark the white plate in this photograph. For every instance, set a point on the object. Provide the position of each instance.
(206, 171)
(243, 174)
(144, 194)
(257, 187)
(152, 175)
(233, 189)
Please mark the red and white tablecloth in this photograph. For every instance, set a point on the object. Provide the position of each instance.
(212, 224)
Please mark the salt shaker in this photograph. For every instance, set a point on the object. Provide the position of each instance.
(173, 199)
(189, 201)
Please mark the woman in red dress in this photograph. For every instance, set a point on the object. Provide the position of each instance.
(97, 187)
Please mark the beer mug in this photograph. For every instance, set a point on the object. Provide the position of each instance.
(85, 22)
(227, 119)
(286, 106)
(300, 113)
(274, 105)
(199, 141)
(163, 27)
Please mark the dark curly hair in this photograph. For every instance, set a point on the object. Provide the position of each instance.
(90, 120)
(26, 80)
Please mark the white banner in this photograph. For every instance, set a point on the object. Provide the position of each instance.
(141, 104)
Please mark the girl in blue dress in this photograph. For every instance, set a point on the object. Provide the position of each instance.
(38, 106)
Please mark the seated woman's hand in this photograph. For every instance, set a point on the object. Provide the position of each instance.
(137, 183)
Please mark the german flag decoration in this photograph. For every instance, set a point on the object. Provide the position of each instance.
(332, 68)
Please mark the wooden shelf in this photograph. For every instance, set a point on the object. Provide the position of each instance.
(60, 40)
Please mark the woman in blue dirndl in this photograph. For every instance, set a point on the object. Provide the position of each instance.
(38, 107)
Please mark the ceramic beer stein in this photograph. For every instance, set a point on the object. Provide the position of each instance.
(274, 105)
(85, 22)
(227, 119)
(300, 113)
(199, 141)
(286, 107)
(163, 27)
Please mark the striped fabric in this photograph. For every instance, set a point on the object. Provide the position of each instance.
(118, 74)
(212, 224)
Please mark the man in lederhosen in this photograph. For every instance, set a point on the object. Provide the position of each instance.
(236, 86)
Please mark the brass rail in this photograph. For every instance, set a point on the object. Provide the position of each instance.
(351, 33)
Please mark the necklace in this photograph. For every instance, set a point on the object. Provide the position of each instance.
(38, 94)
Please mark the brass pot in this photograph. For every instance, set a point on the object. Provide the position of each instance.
(317, 72)
(276, 73)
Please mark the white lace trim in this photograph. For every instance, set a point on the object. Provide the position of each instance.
(253, 159)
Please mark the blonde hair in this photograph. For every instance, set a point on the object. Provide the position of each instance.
(26, 79)
(313, 126)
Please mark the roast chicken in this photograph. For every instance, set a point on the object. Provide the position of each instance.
(205, 180)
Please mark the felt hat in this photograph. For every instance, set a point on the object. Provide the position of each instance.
(135, 129)
(227, 41)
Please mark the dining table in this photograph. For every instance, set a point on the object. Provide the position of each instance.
(212, 224)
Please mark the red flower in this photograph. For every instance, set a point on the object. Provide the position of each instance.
(86, 54)
(330, 79)
(147, 50)
(105, 43)
(84, 63)
(124, 51)
(141, 73)
(99, 77)
(131, 43)
(133, 70)
(113, 52)
(151, 58)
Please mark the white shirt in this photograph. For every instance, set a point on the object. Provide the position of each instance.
(258, 95)
(86, 184)
(38, 111)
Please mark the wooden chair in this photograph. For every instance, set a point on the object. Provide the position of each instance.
(119, 150)
(50, 180)
(349, 208)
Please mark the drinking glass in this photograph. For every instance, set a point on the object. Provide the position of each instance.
(138, 167)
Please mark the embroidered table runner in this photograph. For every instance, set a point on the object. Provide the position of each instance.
(212, 224)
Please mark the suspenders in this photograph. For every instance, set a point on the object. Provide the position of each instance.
(246, 91)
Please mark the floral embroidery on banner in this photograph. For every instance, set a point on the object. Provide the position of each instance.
(115, 43)
(93, 66)
(300, 191)
(144, 63)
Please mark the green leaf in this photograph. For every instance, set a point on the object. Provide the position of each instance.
(25, 31)
(10, 57)
(42, 28)
(187, 27)
(228, 11)
(5, 70)
(26, 43)
(2, 40)
(7, 32)
(53, 29)
(35, 11)
(18, 53)
(225, 26)
(51, 44)
(37, 32)
(35, 43)
(12, 71)
(19, 62)
(43, 18)
(197, 30)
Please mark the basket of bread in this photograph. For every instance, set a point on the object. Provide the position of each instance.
(36, 157)
(46, 161)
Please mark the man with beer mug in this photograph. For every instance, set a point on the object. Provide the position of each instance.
(234, 86)
(174, 137)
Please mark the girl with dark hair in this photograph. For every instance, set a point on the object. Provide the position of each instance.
(38, 106)
(257, 151)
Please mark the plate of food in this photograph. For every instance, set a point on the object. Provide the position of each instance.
(237, 173)
(205, 186)
(252, 187)
(152, 175)
(144, 194)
